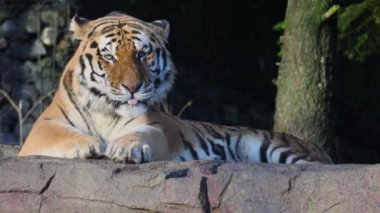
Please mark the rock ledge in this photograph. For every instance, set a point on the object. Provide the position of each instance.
(42, 184)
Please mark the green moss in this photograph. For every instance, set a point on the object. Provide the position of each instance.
(359, 30)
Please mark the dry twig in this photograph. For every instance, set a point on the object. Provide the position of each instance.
(18, 107)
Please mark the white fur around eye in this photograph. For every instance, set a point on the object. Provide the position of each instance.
(108, 44)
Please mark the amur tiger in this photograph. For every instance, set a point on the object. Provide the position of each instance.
(107, 105)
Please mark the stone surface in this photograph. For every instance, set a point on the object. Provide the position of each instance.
(30, 20)
(27, 49)
(35, 47)
(4, 14)
(53, 17)
(49, 35)
(8, 150)
(12, 28)
(3, 43)
(37, 184)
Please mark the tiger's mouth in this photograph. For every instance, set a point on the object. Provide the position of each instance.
(136, 102)
(138, 99)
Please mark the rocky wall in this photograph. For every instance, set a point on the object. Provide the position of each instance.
(34, 47)
(36, 184)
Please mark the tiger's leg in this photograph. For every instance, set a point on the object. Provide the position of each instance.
(142, 144)
(57, 139)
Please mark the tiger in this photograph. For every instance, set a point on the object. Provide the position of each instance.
(108, 100)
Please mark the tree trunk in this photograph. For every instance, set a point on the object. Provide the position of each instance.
(304, 99)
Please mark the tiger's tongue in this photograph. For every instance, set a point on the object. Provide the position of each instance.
(132, 102)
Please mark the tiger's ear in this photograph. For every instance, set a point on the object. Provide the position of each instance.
(79, 27)
(163, 28)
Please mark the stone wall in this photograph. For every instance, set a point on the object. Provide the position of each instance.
(34, 47)
(8, 150)
(61, 185)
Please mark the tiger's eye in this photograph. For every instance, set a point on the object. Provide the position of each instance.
(108, 57)
(141, 55)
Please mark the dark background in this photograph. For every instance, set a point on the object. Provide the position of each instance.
(226, 53)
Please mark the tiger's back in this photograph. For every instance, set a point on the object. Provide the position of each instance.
(107, 104)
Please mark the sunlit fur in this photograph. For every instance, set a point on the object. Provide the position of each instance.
(107, 105)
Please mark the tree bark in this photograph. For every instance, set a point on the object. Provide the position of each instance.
(304, 102)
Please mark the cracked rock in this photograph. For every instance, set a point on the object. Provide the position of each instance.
(42, 184)
(12, 28)
(27, 49)
(49, 35)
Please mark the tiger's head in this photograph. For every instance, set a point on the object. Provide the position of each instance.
(123, 62)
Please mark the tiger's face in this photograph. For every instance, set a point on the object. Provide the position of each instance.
(124, 61)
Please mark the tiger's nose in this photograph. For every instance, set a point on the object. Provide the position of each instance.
(132, 88)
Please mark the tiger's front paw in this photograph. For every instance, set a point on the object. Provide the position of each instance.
(134, 152)
(88, 147)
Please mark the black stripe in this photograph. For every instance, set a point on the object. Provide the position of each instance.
(68, 78)
(274, 149)
(116, 121)
(82, 67)
(167, 76)
(135, 38)
(237, 143)
(100, 65)
(150, 47)
(182, 158)
(94, 44)
(89, 58)
(96, 92)
(195, 127)
(142, 156)
(254, 130)
(110, 35)
(202, 142)
(271, 134)
(284, 155)
(157, 83)
(153, 123)
(89, 104)
(135, 24)
(154, 37)
(98, 53)
(113, 20)
(228, 140)
(158, 56)
(189, 146)
(266, 138)
(66, 116)
(164, 59)
(115, 104)
(99, 75)
(210, 129)
(284, 139)
(218, 150)
(263, 152)
(135, 32)
(100, 24)
(129, 121)
(301, 157)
